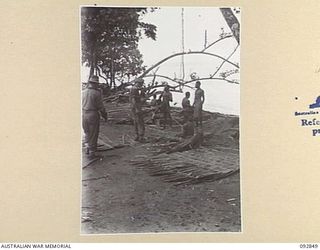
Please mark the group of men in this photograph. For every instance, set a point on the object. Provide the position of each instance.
(93, 108)
(192, 114)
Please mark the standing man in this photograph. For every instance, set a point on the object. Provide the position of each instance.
(198, 103)
(186, 107)
(154, 108)
(136, 100)
(92, 107)
(166, 99)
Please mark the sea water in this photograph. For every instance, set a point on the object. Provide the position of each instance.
(220, 97)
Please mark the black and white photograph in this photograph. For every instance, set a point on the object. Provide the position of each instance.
(160, 90)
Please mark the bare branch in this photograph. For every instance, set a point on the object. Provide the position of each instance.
(185, 84)
(211, 44)
(212, 78)
(155, 71)
(225, 61)
(170, 79)
(154, 75)
(161, 85)
(186, 53)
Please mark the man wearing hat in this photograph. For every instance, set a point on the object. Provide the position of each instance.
(92, 107)
(136, 100)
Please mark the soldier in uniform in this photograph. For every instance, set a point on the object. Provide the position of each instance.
(197, 104)
(92, 108)
(136, 100)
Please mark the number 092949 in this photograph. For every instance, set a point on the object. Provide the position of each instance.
(308, 245)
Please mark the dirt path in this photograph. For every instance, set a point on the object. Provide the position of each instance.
(117, 197)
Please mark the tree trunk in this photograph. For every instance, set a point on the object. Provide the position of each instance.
(91, 73)
(112, 74)
(232, 22)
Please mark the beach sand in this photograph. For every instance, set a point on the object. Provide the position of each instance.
(119, 197)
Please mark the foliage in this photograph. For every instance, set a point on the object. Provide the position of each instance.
(110, 39)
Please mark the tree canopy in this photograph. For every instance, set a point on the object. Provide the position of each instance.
(110, 39)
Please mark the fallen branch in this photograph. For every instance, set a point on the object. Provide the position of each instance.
(194, 142)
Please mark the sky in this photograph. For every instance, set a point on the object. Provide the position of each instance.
(196, 21)
(220, 96)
